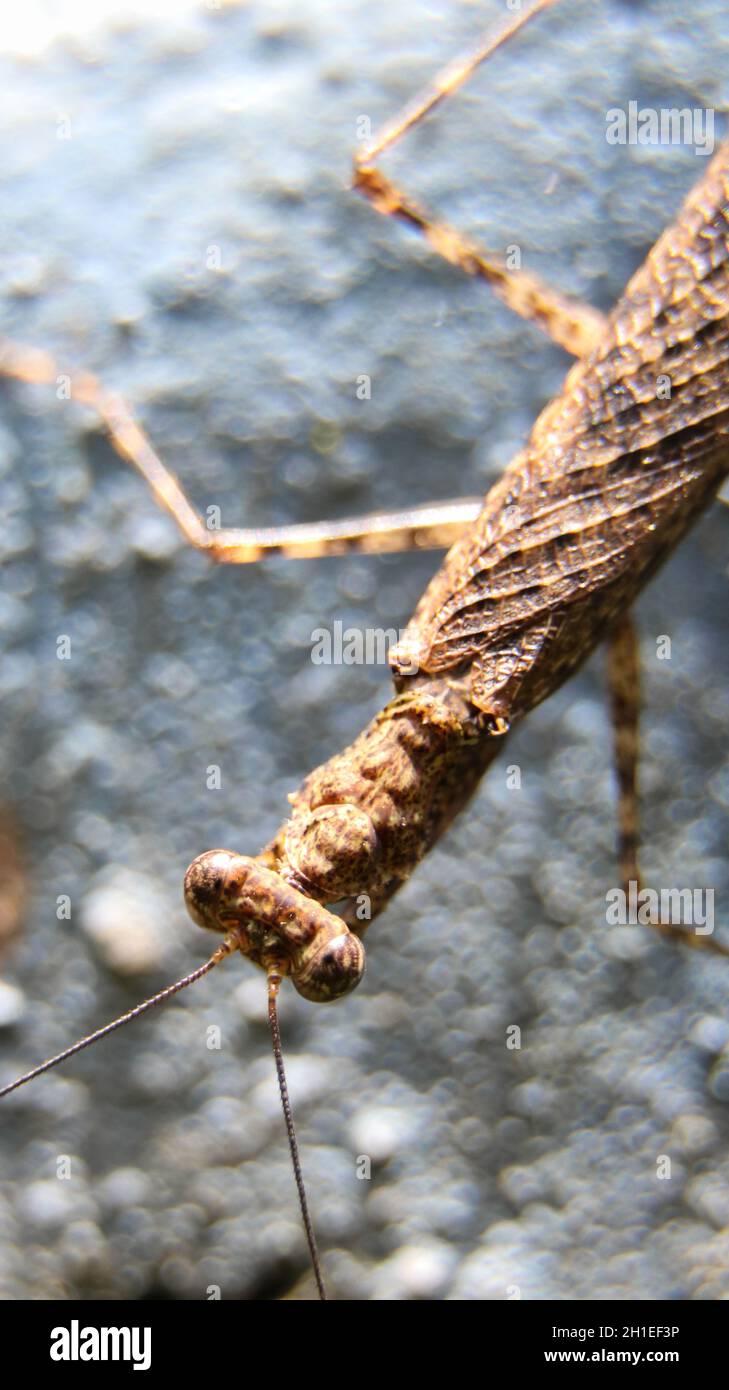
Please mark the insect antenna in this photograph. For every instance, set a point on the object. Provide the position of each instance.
(136, 1012)
(274, 981)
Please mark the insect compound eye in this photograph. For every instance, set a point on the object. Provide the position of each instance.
(332, 968)
(204, 883)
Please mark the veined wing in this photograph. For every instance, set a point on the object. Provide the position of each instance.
(617, 466)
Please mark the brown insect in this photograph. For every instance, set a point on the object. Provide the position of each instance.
(612, 477)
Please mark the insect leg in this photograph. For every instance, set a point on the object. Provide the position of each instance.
(576, 326)
(623, 668)
(431, 526)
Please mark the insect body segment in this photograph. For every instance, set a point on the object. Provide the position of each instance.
(360, 823)
(617, 468)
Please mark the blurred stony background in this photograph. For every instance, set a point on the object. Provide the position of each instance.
(232, 127)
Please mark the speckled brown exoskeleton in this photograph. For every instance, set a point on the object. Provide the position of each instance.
(613, 474)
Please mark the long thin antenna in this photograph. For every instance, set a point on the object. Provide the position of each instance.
(273, 986)
(100, 1033)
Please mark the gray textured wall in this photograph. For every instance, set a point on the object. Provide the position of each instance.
(491, 1168)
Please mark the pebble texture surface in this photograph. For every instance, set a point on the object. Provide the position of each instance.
(195, 244)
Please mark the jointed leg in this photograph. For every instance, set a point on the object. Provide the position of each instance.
(576, 326)
(624, 680)
(431, 526)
